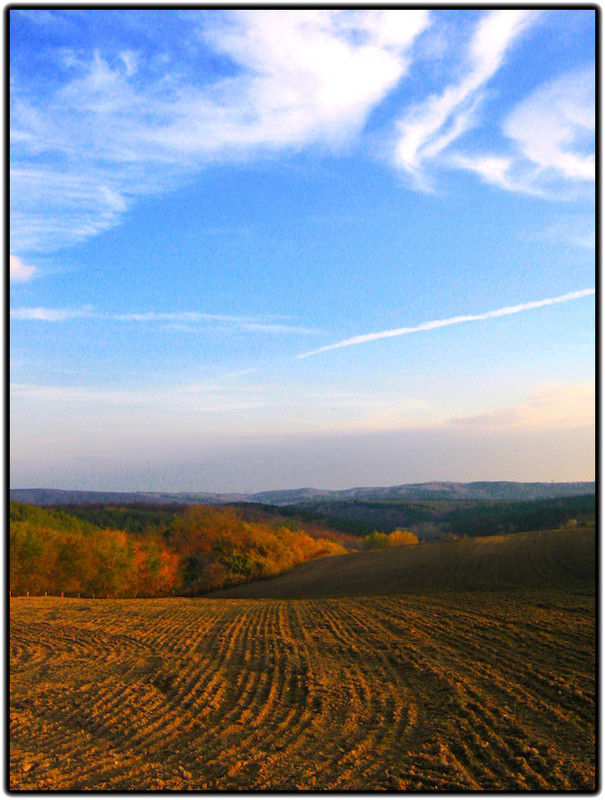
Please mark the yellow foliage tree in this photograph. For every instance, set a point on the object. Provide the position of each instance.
(402, 537)
(376, 541)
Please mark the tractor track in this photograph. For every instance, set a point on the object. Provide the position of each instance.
(438, 691)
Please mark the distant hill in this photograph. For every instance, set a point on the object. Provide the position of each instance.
(563, 558)
(435, 490)
(53, 497)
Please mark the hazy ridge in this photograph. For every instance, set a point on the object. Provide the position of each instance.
(434, 490)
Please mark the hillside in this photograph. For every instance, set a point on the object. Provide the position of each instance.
(544, 558)
(440, 519)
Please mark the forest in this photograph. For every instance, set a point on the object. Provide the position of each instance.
(144, 550)
(431, 520)
(189, 552)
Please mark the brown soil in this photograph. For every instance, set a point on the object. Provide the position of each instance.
(541, 558)
(426, 691)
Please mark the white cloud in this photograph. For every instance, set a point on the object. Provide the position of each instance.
(118, 130)
(56, 207)
(20, 271)
(554, 127)
(190, 321)
(500, 171)
(441, 323)
(129, 59)
(122, 126)
(311, 75)
(175, 316)
(551, 134)
(428, 128)
(52, 314)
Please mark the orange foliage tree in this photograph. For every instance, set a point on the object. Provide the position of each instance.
(402, 537)
(220, 548)
(205, 548)
(53, 553)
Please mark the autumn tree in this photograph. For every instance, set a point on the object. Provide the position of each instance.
(378, 541)
(398, 537)
(205, 548)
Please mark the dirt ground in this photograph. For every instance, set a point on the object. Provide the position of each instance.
(427, 691)
(560, 558)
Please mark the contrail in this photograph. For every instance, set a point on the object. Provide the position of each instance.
(441, 323)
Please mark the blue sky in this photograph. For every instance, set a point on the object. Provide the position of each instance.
(268, 249)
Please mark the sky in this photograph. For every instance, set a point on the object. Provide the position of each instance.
(267, 249)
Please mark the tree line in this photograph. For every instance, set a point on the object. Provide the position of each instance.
(201, 549)
(442, 519)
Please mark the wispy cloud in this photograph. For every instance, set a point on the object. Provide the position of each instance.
(431, 126)
(188, 398)
(575, 230)
(215, 406)
(175, 316)
(554, 127)
(551, 134)
(190, 321)
(238, 374)
(55, 206)
(441, 323)
(566, 405)
(52, 314)
(117, 128)
(19, 271)
(40, 16)
(119, 125)
(269, 327)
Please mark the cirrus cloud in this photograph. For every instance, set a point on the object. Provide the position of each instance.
(432, 125)
(187, 321)
(551, 135)
(117, 128)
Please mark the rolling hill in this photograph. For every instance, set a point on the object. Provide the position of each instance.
(529, 560)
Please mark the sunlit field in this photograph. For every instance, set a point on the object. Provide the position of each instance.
(449, 690)
(302, 399)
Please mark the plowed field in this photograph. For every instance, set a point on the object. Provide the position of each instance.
(507, 562)
(426, 691)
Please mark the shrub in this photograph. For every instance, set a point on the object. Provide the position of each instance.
(378, 541)
(402, 537)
